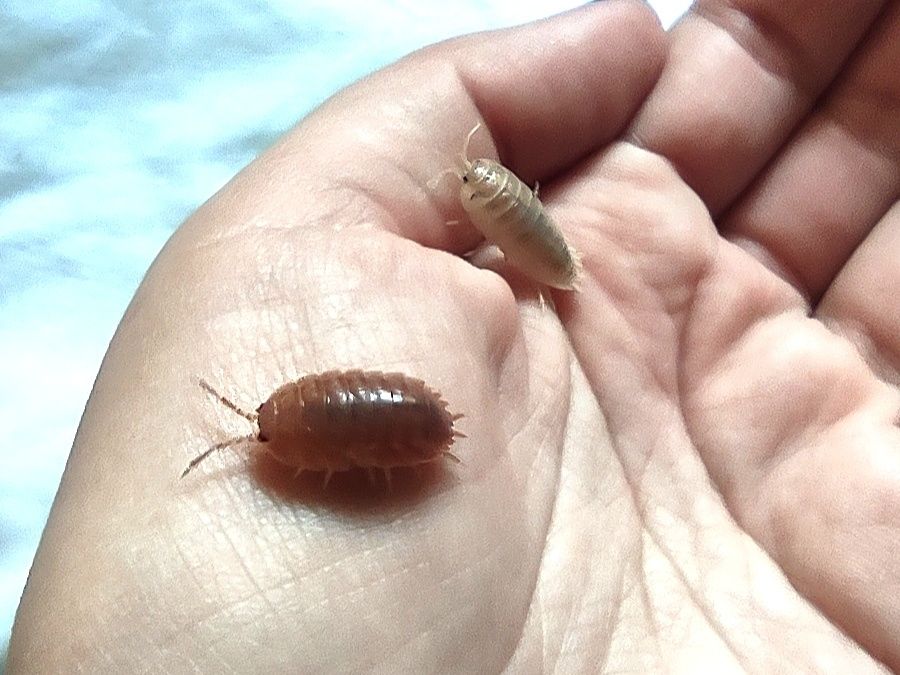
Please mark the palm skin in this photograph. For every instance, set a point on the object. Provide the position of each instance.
(689, 465)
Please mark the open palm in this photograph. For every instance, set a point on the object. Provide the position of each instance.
(692, 464)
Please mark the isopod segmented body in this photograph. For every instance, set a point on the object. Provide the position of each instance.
(509, 214)
(340, 420)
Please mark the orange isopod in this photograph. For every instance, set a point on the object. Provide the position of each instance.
(340, 420)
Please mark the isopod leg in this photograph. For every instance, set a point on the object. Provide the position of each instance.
(433, 183)
(387, 478)
(545, 299)
(327, 478)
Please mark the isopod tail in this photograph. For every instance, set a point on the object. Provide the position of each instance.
(578, 274)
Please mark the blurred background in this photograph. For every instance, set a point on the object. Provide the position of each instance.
(117, 119)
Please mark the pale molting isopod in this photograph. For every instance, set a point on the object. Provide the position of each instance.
(509, 214)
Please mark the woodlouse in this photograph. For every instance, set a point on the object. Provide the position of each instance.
(509, 214)
(340, 420)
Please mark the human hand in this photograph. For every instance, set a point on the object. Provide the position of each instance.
(682, 470)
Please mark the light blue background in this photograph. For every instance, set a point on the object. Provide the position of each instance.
(117, 119)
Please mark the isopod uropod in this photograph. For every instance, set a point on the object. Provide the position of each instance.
(509, 214)
(339, 420)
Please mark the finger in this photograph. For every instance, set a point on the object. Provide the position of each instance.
(861, 303)
(814, 205)
(574, 83)
(741, 74)
(576, 88)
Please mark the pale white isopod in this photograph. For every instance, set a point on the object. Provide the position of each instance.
(509, 214)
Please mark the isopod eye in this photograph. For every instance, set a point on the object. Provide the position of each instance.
(484, 172)
(465, 178)
(266, 422)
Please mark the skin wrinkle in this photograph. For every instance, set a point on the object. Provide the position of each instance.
(702, 272)
(573, 617)
(689, 591)
(775, 263)
(864, 96)
(696, 600)
(638, 512)
(642, 584)
(261, 593)
(679, 369)
(436, 625)
(384, 204)
(220, 637)
(535, 582)
(745, 543)
(547, 531)
(226, 611)
(250, 619)
(613, 618)
(885, 366)
(355, 202)
(538, 604)
(376, 580)
(413, 184)
(165, 638)
(786, 448)
(546, 434)
(197, 573)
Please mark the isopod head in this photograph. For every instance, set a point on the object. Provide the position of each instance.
(481, 179)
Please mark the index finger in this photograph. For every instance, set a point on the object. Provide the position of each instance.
(549, 93)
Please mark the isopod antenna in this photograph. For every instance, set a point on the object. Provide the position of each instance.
(209, 389)
(460, 170)
(218, 446)
(251, 417)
